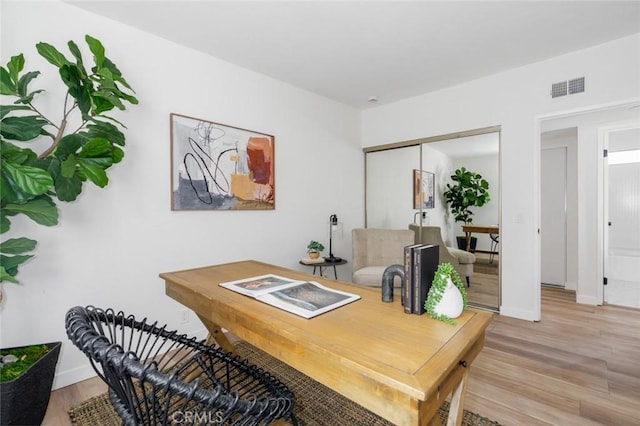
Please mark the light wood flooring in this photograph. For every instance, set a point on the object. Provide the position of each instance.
(579, 366)
(484, 290)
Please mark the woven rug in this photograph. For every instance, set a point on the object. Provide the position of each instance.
(316, 405)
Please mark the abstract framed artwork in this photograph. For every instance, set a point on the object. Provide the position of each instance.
(219, 167)
(423, 189)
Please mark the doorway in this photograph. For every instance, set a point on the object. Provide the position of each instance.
(585, 226)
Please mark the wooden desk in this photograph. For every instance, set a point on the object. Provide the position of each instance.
(400, 366)
(479, 229)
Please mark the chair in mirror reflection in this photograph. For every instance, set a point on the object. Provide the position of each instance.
(461, 260)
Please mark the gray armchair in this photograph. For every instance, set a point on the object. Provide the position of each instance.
(461, 260)
(373, 250)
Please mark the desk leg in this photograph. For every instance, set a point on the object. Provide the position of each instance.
(456, 408)
(216, 335)
(468, 234)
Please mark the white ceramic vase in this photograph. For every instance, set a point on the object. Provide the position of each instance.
(451, 304)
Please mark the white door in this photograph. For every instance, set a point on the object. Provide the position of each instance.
(622, 230)
(553, 232)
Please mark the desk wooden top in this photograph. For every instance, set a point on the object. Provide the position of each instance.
(365, 344)
(481, 229)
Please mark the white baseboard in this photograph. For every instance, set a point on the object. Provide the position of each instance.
(588, 300)
(73, 375)
(515, 313)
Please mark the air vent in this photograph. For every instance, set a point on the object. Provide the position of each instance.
(569, 87)
(559, 89)
(576, 85)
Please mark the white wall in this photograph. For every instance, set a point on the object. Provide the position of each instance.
(112, 243)
(516, 100)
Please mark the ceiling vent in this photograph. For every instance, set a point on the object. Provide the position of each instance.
(576, 85)
(569, 87)
(559, 89)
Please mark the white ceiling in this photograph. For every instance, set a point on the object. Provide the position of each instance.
(350, 51)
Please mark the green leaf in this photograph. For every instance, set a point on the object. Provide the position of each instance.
(109, 97)
(75, 51)
(24, 81)
(17, 245)
(7, 86)
(94, 172)
(96, 147)
(6, 109)
(28, 99)
(97, 49)
(6, 276)
(10, 265)
(15, 154)
(51, 54)
(24, 128)
(68, 166)
(5, 224)
(68, 189)
(41, 210)
(68, 145)
(117, 155)
(101, 105)
(30, 180)
(15, 65)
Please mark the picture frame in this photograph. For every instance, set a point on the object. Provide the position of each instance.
(215, 166)
(423, 189)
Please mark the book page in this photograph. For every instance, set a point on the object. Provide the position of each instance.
(307, 299)
(255, 286)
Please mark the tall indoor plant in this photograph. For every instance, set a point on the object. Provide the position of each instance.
(83, 142)
(469, 189)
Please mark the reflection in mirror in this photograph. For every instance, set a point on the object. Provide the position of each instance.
(390, 191)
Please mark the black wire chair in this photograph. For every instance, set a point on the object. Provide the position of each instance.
(160, 377)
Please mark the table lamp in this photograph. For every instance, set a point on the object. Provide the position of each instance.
(333, 228)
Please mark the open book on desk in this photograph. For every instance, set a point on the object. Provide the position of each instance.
(304, 298)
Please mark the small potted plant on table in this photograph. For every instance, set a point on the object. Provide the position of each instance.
(314, 249)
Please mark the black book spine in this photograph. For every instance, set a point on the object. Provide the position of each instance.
(407, 299)
(416, 280)
(428, 259)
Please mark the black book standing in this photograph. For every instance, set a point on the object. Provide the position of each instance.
(425, 264)
(407, 290)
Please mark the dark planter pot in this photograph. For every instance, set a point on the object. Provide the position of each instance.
(24, 400)
(462, 243)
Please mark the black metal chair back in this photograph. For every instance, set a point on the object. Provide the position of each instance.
(159, 377)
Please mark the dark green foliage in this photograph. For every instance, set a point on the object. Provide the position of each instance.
(29, 181)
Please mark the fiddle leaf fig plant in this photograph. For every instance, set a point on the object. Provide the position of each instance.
(83, 141)
(469, 189)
